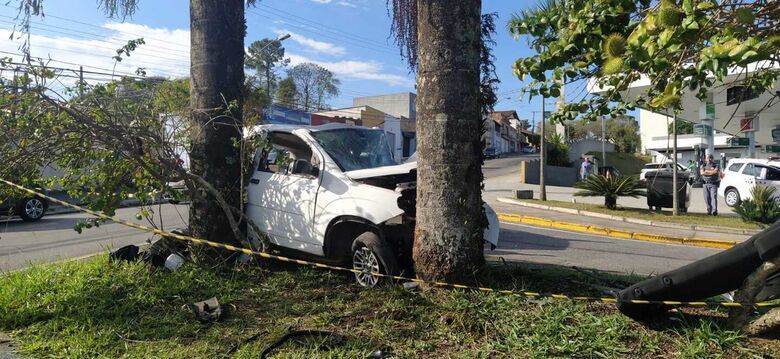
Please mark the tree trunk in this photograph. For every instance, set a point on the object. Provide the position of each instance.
(217, 75)
(610, 202)
(448, 238)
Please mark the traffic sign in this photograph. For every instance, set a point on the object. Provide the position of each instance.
(772, 148)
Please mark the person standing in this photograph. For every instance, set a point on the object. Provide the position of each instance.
(710, 174)
(586, 168)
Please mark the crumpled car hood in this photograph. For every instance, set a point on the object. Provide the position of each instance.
(491, 232)
(382, 171)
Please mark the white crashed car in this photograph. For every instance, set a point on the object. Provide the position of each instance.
(335, 192)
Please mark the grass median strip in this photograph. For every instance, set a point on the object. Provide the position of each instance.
(615, 233)
(96, 309)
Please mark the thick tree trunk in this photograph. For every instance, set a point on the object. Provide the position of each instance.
(217, 75)
(450, 219)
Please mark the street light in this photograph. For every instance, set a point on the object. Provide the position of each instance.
(282, 37)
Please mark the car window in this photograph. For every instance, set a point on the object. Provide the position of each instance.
(283, 149)
(734, 167)
(750, 170)
(772, 174)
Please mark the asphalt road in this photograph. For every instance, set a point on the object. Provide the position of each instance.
(53, 238)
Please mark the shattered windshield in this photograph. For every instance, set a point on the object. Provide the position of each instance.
(356, 148)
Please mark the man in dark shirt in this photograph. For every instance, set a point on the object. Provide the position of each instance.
(710, 174)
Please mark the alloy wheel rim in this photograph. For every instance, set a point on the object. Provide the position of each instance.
(366, 262)
(34, 208)
(731, 198)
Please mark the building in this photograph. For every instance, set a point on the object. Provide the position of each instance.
(369, 117)
(729, 110)
(276, 114)
(401, 105)
(501, 134)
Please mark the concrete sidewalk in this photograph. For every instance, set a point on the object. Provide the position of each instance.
(567, 193)
(510, 208)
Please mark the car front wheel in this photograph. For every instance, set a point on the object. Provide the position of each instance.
(732, 197)
(31, 209)
(372, 255)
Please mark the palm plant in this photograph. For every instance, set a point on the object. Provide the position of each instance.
(610, 187)
(762, 207)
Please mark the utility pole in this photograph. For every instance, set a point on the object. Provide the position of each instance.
(675, 193)
(81, 80)
(542, 159)
(603, 144)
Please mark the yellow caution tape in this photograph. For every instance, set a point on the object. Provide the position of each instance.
(352, 270)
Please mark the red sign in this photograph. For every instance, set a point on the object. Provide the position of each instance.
(746, 124)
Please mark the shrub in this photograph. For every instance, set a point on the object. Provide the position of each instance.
(762, 208)
(557, 151)
(610, 188)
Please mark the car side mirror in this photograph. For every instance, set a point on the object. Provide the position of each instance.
(304, 167)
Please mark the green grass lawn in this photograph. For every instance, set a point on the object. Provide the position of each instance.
(93, 309)
(699, 219)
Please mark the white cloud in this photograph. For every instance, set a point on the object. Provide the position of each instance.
(323, 1)
(165, 52)
(346, 3)
(359, 70)
(314, 45)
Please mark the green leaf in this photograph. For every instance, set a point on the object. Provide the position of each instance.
(705, 5)
(748, 55)
(665, 37)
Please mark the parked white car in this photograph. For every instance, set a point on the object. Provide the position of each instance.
(741, 175)
(649, 167)
(335, 192)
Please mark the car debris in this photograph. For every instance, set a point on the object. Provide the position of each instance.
(207, 311)
(127, 253)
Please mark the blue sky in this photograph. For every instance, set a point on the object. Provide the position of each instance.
(350, 37)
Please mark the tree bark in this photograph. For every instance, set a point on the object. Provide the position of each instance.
(450, 220)
(740, 316)
(217, 75)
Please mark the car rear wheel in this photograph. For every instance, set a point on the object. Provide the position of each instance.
(732, 197)
(31, 209)
(372, 255)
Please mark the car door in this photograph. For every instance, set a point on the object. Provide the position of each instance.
(280, 201)
(748, 180)
(770, 176)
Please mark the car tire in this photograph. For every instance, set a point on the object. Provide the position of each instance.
(31, 209)
(371, 254)
(732, 197)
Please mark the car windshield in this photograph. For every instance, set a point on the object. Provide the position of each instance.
(356, 148)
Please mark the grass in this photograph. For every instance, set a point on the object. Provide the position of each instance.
(698, 219)
(96, 309)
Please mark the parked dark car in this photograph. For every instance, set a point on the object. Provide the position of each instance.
(491, 153)
(30, 209)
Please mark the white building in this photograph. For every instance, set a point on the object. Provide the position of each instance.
(730, 110)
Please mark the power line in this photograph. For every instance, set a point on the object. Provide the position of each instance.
(320, 26)
(102, 28)
(42, 59)
(74, 41)
(68, 31)
(350, 42)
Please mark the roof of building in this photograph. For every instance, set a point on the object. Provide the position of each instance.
(503, 115)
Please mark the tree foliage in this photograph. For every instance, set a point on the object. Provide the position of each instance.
(680, 45)
(264, 56)
(314, 85)
(622, 131)
(287, 93)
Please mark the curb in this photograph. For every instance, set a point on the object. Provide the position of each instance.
(645, 222)
(615, 233)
